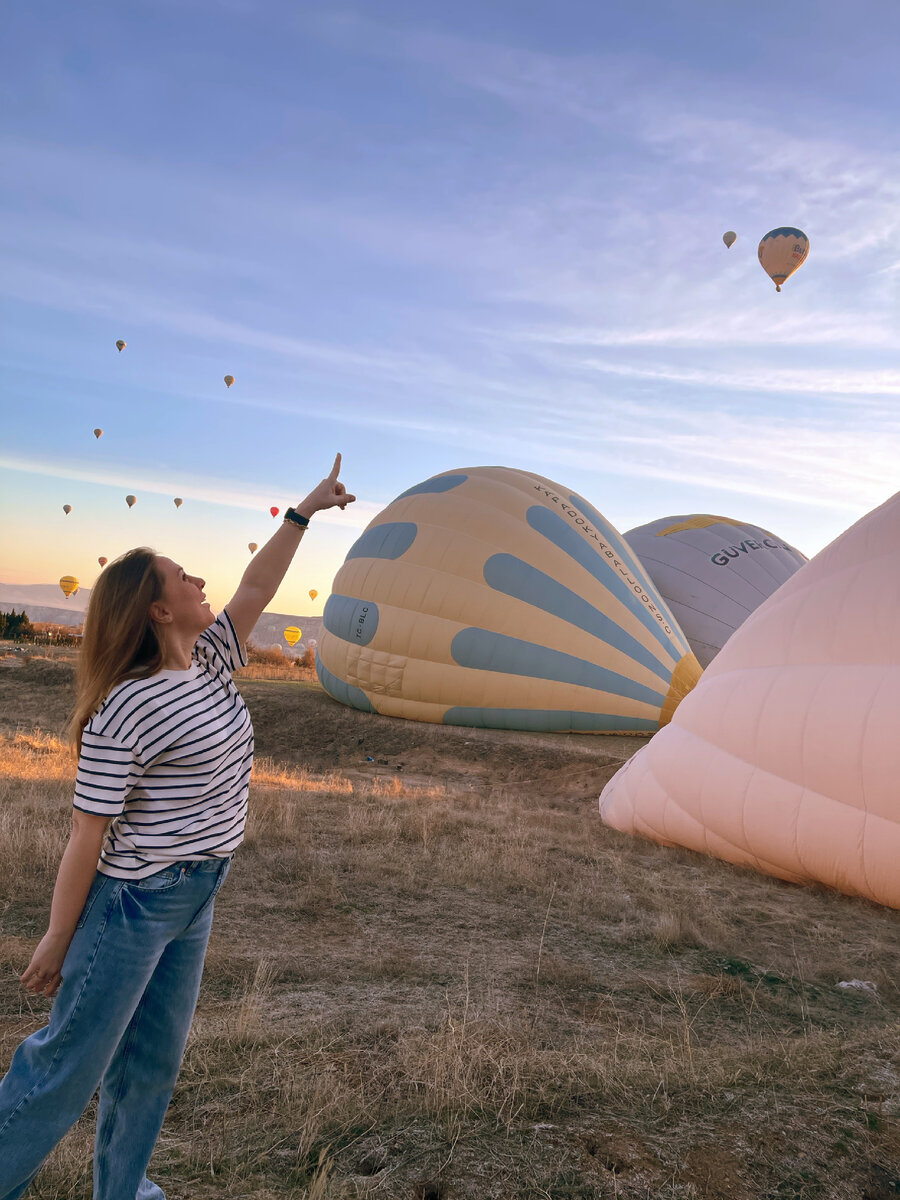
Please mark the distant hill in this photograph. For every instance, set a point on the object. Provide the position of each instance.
(41, 602)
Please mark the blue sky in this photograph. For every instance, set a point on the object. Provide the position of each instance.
(432, 236)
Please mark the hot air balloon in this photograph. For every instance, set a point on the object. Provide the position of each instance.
(313, 593)
(781, 252)
(274, 511)
(98, 433)
(69, 585)
(491, 597)
(229, 380)
(252, 547)
(729, 238)
(178, 502)
(102, 561)
(785, 757)
(292, 635)
(120, 346)
(712, 572)
(67, 508)
(131, 501)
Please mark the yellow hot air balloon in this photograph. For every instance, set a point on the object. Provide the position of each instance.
(98, 433)
(102, 561)
(69, 585)
(120, 345)
(229, 380)
(131, 501)
(313, 593)
(781, 252)
(178, 502)
(729, 238)
(252, 547)
(292, 635)
(67, 508)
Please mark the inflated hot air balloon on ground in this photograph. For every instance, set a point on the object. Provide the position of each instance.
(712, 572)
(292, 635)
(491, 597)
(178, 502)
(131, 501)
(729, 238)
(785, 757)
(120, 346)
(229, 380)
(69, 585)
(67, 508)
(313, 593)
(102, 561)
(252, 547)
(274, 511)
(98, 433)
(781, 252)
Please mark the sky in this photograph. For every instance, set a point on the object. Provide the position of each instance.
(431, 236)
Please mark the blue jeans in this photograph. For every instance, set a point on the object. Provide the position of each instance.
(119, 1021)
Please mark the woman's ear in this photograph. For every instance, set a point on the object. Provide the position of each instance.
(159, 613)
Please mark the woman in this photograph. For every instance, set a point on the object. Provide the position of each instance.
(165, 749)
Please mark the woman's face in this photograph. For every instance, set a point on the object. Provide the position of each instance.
(183, 598)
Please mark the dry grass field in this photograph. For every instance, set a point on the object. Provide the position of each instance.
(434, 975)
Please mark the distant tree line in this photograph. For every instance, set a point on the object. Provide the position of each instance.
(15, 626)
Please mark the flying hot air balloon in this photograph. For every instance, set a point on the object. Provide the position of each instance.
(98, 433)
(252, 547)
(67, 508)
(131, 501)
(69, 585)
(729, 238)
(120, 346)
(178, 502)
(292, 635)
(102, 560)
(781, 252)
(229, 380)
(313, 593)
(491, 597)
(274, 511)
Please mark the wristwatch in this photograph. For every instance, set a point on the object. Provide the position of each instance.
(296, 518)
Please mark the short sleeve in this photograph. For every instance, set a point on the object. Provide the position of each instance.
(220, 643)
(107, 771)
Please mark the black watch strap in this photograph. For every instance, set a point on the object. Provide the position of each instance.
(296, 518)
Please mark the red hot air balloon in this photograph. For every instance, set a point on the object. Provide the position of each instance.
(274, 511)
(102, 561)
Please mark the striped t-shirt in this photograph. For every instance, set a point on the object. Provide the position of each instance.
(169, 759)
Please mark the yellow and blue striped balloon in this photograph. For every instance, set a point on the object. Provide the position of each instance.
(492, 597)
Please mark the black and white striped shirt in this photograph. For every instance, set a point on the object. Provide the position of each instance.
(169, 759)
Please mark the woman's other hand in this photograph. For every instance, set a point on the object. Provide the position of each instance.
(330, 493)
(44, 973)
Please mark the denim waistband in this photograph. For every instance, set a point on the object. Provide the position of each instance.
(189, 866)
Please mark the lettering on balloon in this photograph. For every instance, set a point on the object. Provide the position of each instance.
(360, 621)
(722, 557)
(609, 553)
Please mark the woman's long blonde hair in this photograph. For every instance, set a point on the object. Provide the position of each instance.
(120, 639)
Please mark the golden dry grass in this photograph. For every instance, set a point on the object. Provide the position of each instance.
(437, 975)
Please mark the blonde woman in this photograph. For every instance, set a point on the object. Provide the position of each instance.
(165, 748)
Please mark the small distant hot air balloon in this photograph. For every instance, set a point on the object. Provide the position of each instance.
(67, 508)
(69, 585)
(229, 380)
(292, 635)
(781, 252)
(274, 511)
(120, 345)
(102, 561)
(313, 593)
(252, 547)
(98, 433)
(131, 501)
(178, 502)
(729, 238)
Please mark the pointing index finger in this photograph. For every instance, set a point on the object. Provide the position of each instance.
(336, 469)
